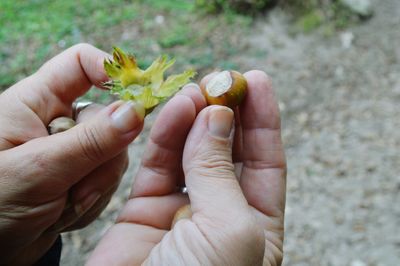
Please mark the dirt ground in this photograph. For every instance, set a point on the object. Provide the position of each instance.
(340, 103)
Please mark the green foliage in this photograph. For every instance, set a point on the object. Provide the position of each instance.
(312, 14)
(242, 6)
(308, 15)
(310, 21)
(33, 31)
(174, 36)
(170, 5)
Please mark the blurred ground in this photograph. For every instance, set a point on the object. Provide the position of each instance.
(340, 107)
(339, 98)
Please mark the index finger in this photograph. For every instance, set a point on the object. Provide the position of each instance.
(52, 89)
(71, 73)
(263, 178)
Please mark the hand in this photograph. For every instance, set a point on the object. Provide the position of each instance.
(237, 218)
(50, 184)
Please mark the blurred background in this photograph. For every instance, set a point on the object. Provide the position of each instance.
(335, 65)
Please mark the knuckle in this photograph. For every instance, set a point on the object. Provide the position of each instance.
(89, 144)
(217, 163)
(40, 163)
(82, 46)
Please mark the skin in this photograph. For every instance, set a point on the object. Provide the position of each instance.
(41, 186)
(247, 193)
(43, 179)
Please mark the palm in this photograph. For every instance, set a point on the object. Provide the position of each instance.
(143, 230)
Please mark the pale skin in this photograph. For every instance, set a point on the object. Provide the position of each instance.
(238, 203)
(38, 172)
(235, 178)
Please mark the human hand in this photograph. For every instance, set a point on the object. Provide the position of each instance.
(50, 184)
(237, 194)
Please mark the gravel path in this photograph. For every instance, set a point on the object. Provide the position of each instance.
(340, 102)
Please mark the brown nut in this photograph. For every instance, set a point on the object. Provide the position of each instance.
(60, 124)
(226, 88)
(184, 212)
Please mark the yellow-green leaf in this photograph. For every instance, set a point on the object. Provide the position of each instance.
(148, 86)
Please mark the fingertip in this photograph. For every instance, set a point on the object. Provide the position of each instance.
(260, 108)
(220, 121)
(128, 117)
(258, 79)
(192, 90)
(174, 121)
(92, 60)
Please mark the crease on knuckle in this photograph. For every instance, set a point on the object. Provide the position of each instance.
(89, 144)
(214, 163)
(261, 164)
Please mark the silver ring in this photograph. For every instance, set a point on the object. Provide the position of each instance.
(183, 190)
(78, 107)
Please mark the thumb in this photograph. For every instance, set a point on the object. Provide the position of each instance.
(74, 153)
(207, 162)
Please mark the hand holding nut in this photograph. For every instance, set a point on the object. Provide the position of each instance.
(236, 220)
(227, 88)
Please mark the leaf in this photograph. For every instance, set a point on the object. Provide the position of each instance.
(173, 83)
(148, 86)
(147, 99)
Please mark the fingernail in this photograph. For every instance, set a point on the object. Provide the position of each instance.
(220, 122)
(188, 89)
(87, 203)
(128, 116)
(191, 85)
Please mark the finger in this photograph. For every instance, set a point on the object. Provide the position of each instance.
(89, 112)
(94, 189)
(157, 212)
(100, 181)
(75, 153)
(161, 166)
(90, 196)
(89, 216)
(104, 177)
(71, 73)
(134, 242)
(61, 80)
(263, 177)
(207, 163)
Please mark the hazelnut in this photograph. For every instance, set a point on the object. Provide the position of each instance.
(226, 88)
(60, 124)
(183, 212)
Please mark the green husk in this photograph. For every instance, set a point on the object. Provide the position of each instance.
(148, 87)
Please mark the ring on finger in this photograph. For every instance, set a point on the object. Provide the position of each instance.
(78, 107)
(183, 190)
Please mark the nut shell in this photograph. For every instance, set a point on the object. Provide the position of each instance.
(226, 88)
(60, 124)
(183, 212)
